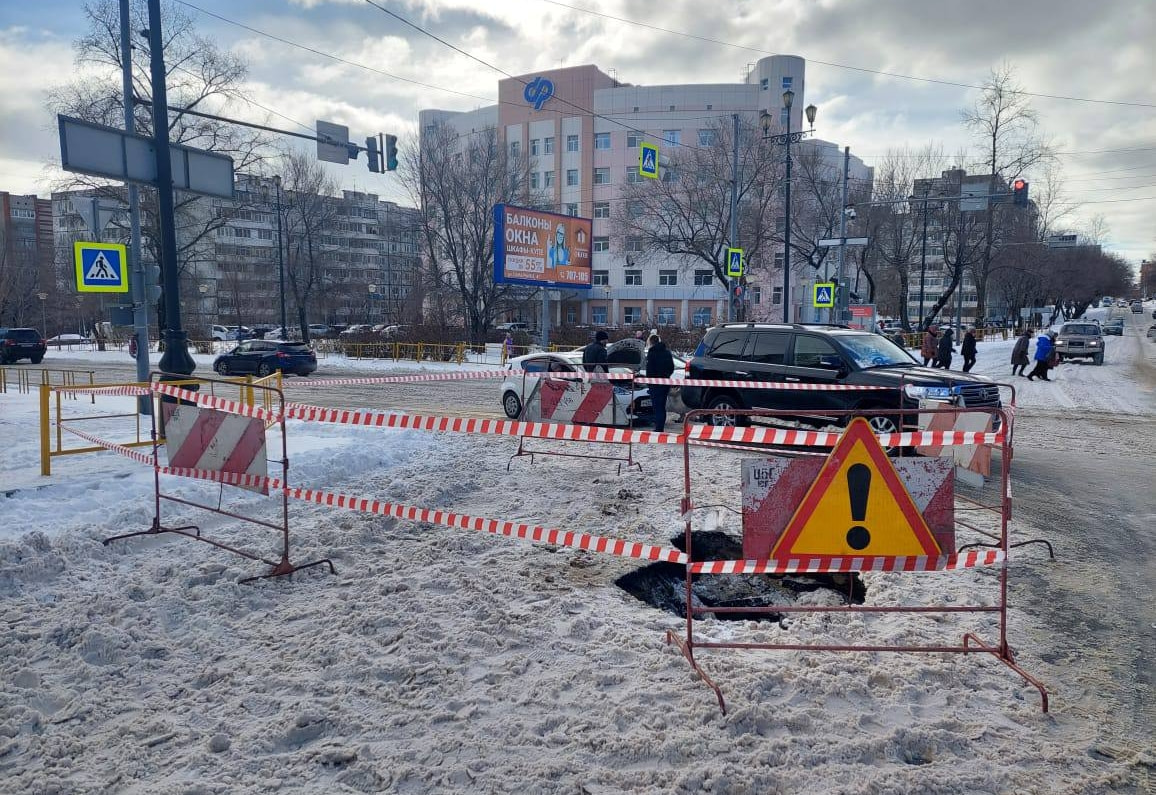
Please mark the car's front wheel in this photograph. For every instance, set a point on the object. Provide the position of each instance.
(725, 403)
(264, 370)
(1098, 359)
(512, 405)
(222, 368)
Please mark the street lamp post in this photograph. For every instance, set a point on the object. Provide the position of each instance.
(280, 258)
(372, 296)
(786, 139)
(43, 317)
(203, 289)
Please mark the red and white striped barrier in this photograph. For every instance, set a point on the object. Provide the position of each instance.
(214, 440)
(110, 390)
(213, 402)
(793, 438)
(819, 565)
(572, 401)
(127, 452)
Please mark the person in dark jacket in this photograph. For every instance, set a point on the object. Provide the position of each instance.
(1044, 347)
(659, 364)
(1019, 357)
(944, 350)
(928, 346)
(967, 348)
(594, 354)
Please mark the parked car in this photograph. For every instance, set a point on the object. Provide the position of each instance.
(318, 329)
(808, 354)
(1137, 308)
(263, 357)
(1080, 340)
(260, 331)
(65, 340)
(1114, 326)
(516, 326)
(1152, 332)
(357, 330)
(21, 343)
(227, 333)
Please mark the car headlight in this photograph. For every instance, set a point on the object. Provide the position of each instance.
(1093, 343)
(930, 392)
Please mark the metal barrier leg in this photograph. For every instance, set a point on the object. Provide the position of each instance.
(1004, 655)
(688, 653)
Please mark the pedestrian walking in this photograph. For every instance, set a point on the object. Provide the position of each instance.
(967, 348)
(1044, 348)
(929, 345)
(509, 345)
(594, 354)
(659, 364)
(1019, 357)
(944, 350)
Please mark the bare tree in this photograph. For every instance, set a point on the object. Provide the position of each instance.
(199, 75)
(456, 180)
(310, 213)
(1005, 126)
(688, 211)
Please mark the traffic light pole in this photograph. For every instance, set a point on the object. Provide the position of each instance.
(734, 213)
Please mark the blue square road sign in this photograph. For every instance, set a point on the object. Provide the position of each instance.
(101, 267)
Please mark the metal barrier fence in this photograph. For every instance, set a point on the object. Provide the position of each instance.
(25, 379)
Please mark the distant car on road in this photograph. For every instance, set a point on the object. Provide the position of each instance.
(516, 326)
(318, 329)
(63, 340)
(264, 357)
(21, 343)
(1080, 340)
(1137, 308)
(1115, 326)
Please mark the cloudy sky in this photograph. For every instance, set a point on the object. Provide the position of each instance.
(884, 73)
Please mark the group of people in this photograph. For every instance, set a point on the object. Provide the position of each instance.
(1046, 355)
(659, 364)
(937, 348)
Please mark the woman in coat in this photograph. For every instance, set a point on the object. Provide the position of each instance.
(944, 350)
(1019, 357)
(1044, 348)
(967, 348)
(927, 348)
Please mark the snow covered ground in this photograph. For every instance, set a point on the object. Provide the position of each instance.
(441, 660)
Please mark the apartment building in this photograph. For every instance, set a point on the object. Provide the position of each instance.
(26, 255)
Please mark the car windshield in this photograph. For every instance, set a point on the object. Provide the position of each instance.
(1081, 328)
(873, 350)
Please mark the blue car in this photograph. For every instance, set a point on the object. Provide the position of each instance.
(264, 357)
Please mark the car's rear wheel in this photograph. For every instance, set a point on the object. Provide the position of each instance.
(512, 405)
(37, 359)
(725, 402)
(222, 368)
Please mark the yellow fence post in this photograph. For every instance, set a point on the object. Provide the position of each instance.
(45, 430)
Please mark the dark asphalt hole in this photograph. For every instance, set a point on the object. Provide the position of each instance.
(663, 585)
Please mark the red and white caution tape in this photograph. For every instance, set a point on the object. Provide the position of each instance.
(213, 402)
(539, 430)
(791, 438)
(828, 564)
(108, 390)
(127, 452)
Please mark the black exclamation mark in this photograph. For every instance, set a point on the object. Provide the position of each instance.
(858, 487)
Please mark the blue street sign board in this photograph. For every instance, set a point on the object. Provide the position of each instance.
(648, 160)
(100, 267)
(734, 263)
(824, 295)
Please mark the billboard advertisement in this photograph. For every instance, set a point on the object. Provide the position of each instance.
(541, 249)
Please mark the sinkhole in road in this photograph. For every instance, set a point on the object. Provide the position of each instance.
(663, 585)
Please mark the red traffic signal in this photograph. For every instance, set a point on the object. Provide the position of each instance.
(1020, 193)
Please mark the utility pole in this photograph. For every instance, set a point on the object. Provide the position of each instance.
(842, 299)
(140, 308)
(176, 358)
(734, 231)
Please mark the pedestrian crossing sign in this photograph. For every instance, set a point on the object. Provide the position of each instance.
(734, 263)
(824, 295)
(648, 160)
(101, 267)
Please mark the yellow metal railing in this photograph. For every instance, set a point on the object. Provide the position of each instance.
(408, 351)
(52, 419)
(25, 379)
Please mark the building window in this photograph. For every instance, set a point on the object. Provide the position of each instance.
(515, 148)
(265, 234)
(548, 178)
(598, 315)
(764, 84)
(668, 278)
(777, 295)
(706, 137)
(572, 209)
(779, 257)
(632, 175)
(601, 176)
(601, 244)
(602, 140)
(600, 277)
(571, 316)
(666, 316)
(534, 180)
(670, 175)
(632, 315)
(601, 209)
(548, 146)
(634, 209)
(534, 147)
(787, 82)
(571, 143)
(672, 137)
(634, 278)
(703, 278)
(571, 177)
(701, 317)
(632, 140)
(757, 294)
(634, 244)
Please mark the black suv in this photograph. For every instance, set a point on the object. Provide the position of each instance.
(815, 354)
(21, 343)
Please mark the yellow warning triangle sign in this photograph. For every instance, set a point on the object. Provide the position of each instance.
(857, 505)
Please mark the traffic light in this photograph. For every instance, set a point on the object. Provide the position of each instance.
(153, 281)
(1020, 193)
(373, 154)
(391, 153)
